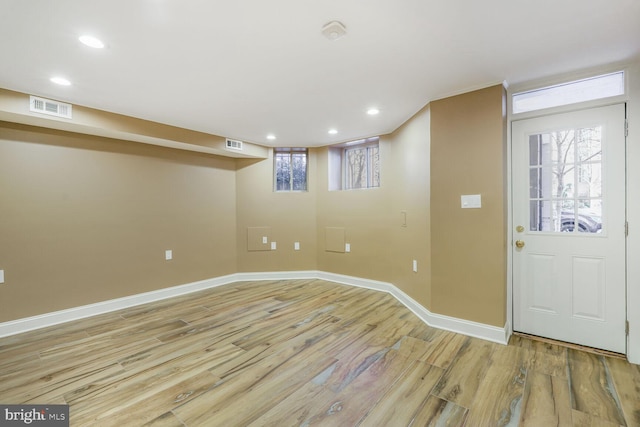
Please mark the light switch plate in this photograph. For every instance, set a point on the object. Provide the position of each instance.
(415, 266)
(296, 246)
(168, 255)
(471, 201)
(347, 247)
(1, 276)
(273, 246)
(265, 240)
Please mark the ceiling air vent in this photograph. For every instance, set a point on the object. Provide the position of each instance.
(232, 144)
(47, 106)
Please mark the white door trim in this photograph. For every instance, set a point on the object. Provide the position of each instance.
(632, 99)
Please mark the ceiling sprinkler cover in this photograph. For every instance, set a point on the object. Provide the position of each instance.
(334, 30)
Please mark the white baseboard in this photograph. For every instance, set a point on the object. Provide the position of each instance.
(461, 326)
(57, 317)
(478, 330)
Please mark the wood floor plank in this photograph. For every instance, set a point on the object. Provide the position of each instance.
(406, 397)
(284, 332)
(234, 311)
(143, 404)
(352, 404)
(171, 365)
(39, 390)
(550, 359)
(313, 353)
(592, 388)
(275, 378)
(461, 381)
(56, 376)
(311, 337)
(321, 396)
(225, 327)
(581, 419)
(165, 420)
(546, 401)
(508, 367)
(423, 331)
(626, 378)
(310, 398)
(440, 413)
(132, 329)
(36, 344)
(358, 358)
(444, 348)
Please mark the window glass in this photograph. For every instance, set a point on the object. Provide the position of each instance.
(565, 180)
(290, 169)
(598, 87)
(362, 166)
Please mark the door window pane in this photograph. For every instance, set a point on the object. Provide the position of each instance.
(565, 181)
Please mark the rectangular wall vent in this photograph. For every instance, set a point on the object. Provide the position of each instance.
(234, 145)
(49, 107)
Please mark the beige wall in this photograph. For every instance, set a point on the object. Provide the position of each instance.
(290, 216)
(468, 156)
(381, 248)
(86, 219)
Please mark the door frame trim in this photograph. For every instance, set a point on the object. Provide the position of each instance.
(631, 98)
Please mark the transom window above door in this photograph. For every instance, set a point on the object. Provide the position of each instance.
(574, 92)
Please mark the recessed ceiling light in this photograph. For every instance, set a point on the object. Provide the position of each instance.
(372, 111)
(271, 137)
(91, 41)
(60, 81)
(333, 131)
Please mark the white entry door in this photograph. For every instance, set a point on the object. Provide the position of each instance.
(568, 186)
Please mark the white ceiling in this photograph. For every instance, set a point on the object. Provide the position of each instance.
(247, 68)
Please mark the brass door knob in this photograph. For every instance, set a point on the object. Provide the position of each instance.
(519, 244)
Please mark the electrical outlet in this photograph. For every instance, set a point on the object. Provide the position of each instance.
(1, 276)
(296, 246)
(168, 254)
(347, 247)
(265, 240)
(273, 246)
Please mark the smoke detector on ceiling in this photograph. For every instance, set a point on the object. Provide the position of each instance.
(334, 30)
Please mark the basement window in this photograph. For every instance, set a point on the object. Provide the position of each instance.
(290, 169)
(599, 87)
(355, 165)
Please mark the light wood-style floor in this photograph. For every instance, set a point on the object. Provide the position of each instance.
(303, 353)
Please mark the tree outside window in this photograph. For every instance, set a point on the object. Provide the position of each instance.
(362, 166)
